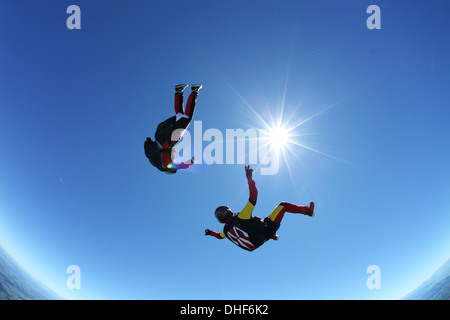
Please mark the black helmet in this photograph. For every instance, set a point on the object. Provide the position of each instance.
(223, 213)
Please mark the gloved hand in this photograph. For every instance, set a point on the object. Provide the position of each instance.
(207, 232)
(248, 173)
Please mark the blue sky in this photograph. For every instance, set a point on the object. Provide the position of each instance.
(77, 105)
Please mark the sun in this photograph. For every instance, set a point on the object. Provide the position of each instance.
(282, 136)
(278, 136)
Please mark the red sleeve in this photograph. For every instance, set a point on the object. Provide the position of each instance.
(253, 192)
(215, 234)
(167, 159)
(166, 156)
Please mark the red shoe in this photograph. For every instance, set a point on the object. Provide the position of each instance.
(311, 209)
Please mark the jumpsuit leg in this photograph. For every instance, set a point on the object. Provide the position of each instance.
(278, 213)
(182, 123)
(190, 105)
(179, 102)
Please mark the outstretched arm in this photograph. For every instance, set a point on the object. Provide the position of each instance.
(246, 213)
(253, 192)
(214, 234)
(251, 185)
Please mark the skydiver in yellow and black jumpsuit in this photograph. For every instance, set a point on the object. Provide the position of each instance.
(250, 232)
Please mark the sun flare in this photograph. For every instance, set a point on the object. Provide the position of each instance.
(278, 137)
(282, 135)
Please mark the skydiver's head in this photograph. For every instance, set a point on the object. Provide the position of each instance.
(223, 214)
